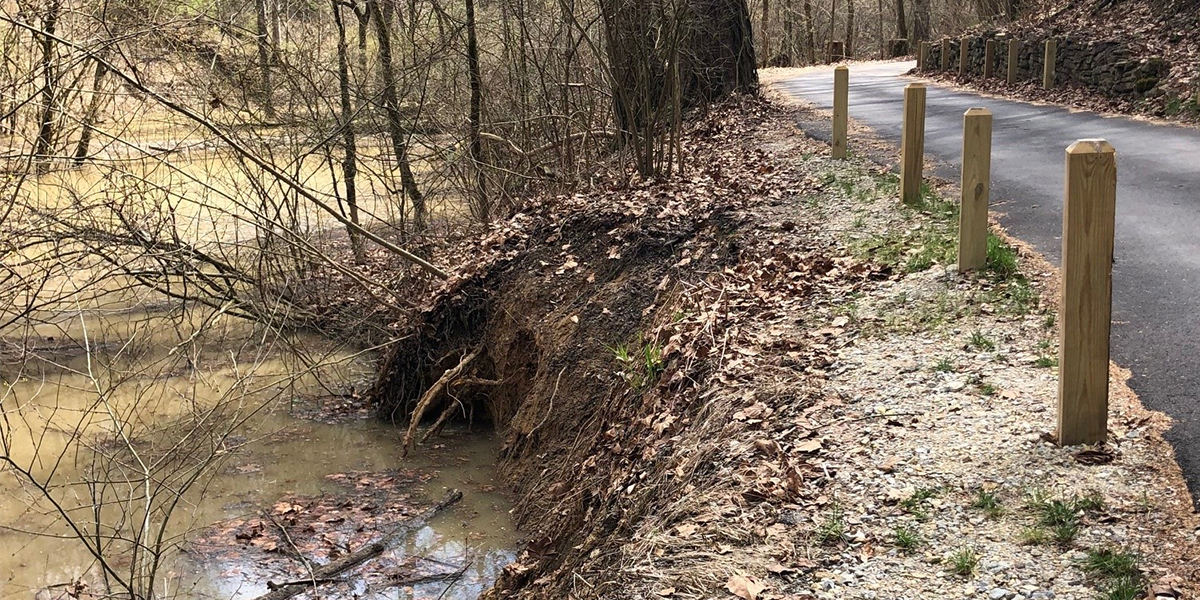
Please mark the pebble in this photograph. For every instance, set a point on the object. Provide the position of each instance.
(957, 442)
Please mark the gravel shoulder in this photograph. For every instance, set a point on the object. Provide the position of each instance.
(939, 476)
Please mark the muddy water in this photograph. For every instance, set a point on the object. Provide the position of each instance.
(106, 382)
(81, 383)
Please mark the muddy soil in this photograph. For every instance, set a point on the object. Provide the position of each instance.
(611, 322)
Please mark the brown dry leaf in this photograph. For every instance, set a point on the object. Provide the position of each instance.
(778, 569)
(744, 587)
(809, 446)
(686, 530)
(1101, 456)
(284, 507)
(666, 592)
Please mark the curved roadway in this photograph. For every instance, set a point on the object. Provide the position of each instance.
(1156, 278)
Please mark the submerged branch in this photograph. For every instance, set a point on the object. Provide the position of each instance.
(329, 572)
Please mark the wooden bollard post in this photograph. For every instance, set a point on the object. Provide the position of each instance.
(1085, 311)
(1048, 68)
(963, 44)
(922, 56)
(976, 186)
(989, 59)
(912, 144)
(945, 66)
(841, 99)
(1014, 55)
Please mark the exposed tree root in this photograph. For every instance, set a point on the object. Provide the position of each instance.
(432, 394)
(453, 407)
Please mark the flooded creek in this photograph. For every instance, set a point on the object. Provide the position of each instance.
(107, 412)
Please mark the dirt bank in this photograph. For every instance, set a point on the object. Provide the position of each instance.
(667, 365)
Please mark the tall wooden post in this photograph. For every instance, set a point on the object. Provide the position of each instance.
(945, 66)
(922, 56)
(912, 144)
(1014, 55)
(989, 59)
(841, 98)
(963, 45)
(1048, 68)
(976, 186)
(1085, 312)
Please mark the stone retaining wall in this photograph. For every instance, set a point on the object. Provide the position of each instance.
(1107, 67)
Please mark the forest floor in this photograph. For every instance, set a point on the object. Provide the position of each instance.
(766, 379)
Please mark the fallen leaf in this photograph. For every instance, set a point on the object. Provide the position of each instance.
(778, 569)
(666, 592)
(744, 587)
(809, 446)
(1101, 456)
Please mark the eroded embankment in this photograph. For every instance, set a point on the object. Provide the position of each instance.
(752, 380)
(611, 322)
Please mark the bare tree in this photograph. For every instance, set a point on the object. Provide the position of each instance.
(395, 121)
(921, 21)
(481, 205)
(810, 30)
(91, 114)
(849, 28)
(49, 95)
(264, 57)
(349, 140)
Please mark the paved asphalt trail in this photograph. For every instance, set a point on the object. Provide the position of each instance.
(1156, 278)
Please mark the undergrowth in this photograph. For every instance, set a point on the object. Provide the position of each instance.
(641, 362)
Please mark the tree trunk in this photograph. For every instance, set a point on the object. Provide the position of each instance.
(712, 40)
(789, 32)
(93, 113)
(44, 145)
(849, 28)
(901, 22)
(264, 57)
(882, 40)
(363, 16)
(921, 22)
(275, 36)
(765, 34)
(350, 150)
(720, 41)
(832, 22)
(474, 119)
(391, 106)
(810, 31)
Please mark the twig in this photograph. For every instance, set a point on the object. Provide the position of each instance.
(271, 585)
(296, 549)
(453, 581)
(327, 572)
